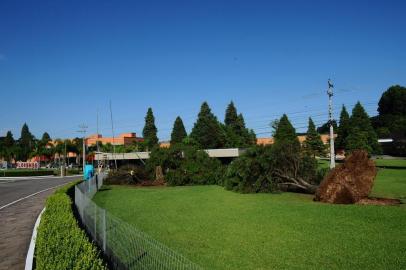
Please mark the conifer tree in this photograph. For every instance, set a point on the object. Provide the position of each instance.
(26, 143)
(231, 117)
(207, 132)
(178, 131)
(150, 131)
(313, 143)
(343, 129)
(285, 133)
(361, 134)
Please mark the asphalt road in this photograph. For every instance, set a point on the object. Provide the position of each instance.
(21, 201)
(12, 189)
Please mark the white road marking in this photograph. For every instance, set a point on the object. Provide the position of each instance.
(33, 194)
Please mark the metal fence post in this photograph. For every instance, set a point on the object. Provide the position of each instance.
(104, 229)
(95, 222)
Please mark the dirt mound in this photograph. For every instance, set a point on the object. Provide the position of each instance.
(379, 201)
(350, 182)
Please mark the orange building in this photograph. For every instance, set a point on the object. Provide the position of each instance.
(122, 139)
(325, 138)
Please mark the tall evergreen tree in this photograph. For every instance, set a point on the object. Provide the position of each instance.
(9, 146)
(46, 138)
(285, 133)
(26, 143)
(178, 131)
(150, 131)
(313, 143)
(361, 134)
(231, 117)
(207, 131)
(343, 129)
(237, 134)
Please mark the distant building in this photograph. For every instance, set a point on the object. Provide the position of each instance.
(325, 138)
(122, 139)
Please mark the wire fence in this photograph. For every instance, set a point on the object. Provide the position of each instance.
(123, 245)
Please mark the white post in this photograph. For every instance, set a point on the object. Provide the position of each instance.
(330, 113)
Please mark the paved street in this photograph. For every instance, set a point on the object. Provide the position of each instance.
(17, 218)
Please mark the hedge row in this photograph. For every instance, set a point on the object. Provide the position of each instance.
(61, 244)
(18, 172)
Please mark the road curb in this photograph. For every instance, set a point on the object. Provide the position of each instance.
(30, 255)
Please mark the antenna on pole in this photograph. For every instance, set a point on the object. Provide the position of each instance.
(82, 129)
(330, 119)
(112, 130)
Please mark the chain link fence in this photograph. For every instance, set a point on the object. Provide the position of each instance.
(123, 245)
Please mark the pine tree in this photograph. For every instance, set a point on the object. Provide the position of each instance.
(178, 131)
(207, 131)
(237, 134)
(361, 133)
(46, 138)
(313, 143)
(26, 143)
(231, 117)
(285, 133)
(343, 129)
(9, 145)
(150, 131)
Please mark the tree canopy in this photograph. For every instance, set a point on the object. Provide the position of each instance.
(234, 125)
(393, 101)
(313, 143)
(207, 132)
(178, 132)
(150, 131)
(361, 133)
(343, 129)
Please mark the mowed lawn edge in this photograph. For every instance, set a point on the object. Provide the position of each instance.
(220, 229)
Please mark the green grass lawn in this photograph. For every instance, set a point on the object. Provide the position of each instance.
(220, 229)
(391, 162)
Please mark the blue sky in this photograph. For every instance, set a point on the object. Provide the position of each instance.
(62, 61)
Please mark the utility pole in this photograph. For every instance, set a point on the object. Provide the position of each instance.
(112, 130)
(97, 140)
(330, 116)
(83, 131)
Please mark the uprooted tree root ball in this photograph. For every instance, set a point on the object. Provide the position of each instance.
(350, 182)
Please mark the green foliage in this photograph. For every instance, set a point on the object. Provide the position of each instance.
(21, 172)
(26, 143)
(150, 131)
(393, 101)
(391, 121)
(343, 130)
(325, 128)
(313, 143)
(361, 133)
(178, 132)
(185, 165)
(207, 131)
(285, 133)
(60, 243)
(252, 172)
(237, 135)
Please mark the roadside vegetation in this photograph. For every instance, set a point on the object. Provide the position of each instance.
(61, 243)
(219, 229)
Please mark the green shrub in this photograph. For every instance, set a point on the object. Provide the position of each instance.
(252, 172)
(185, 165)
(18, 172)
(60, 243)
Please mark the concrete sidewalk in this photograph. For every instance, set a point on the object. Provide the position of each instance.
(16, 225)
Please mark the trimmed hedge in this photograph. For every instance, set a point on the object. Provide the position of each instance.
(21, 173)
(61, 244)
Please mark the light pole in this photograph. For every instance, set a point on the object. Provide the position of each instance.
(83, 131)
(330, 116)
